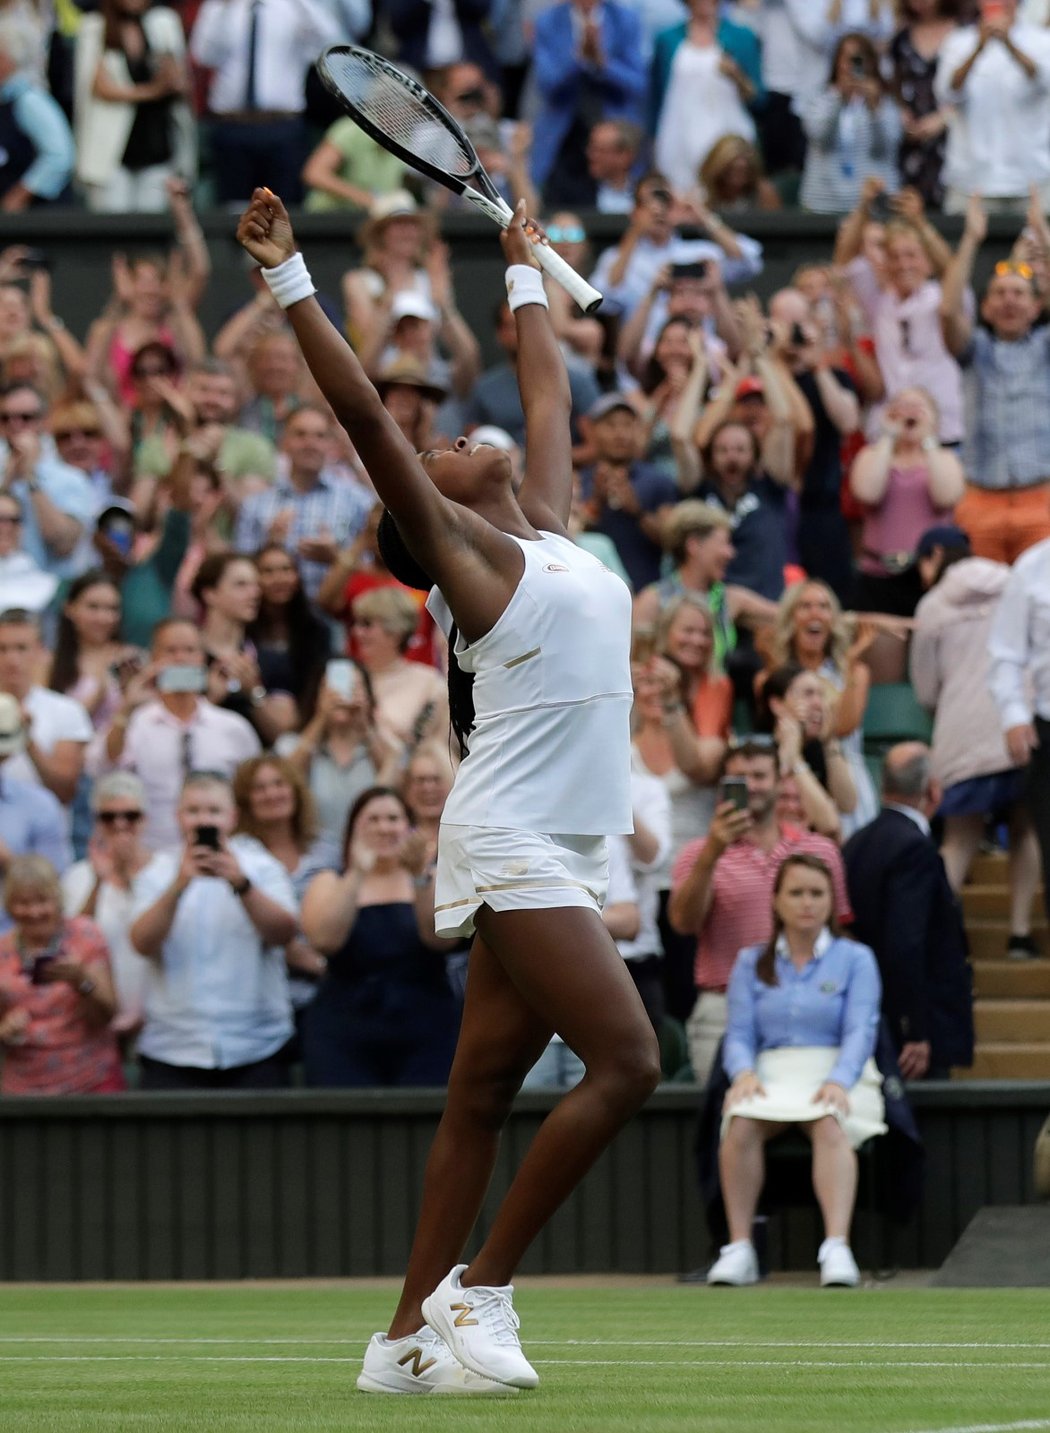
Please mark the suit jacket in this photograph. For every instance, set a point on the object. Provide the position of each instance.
(410, 22)
(559, 76)
(906, 911)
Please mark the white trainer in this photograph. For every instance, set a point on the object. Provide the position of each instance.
(481, 1328)
(736, 1264)
(422, 1363)
(838, 1268)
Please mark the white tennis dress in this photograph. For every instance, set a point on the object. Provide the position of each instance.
(548, 773)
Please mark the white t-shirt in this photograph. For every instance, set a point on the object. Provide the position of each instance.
(55, 718)
(113, 916)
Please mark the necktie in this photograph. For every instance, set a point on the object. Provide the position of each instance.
(250, 101)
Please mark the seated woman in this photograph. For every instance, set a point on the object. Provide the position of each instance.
(384, 1014)
(56, 993)
(803, 1015)
(816, 784)
(731, 177)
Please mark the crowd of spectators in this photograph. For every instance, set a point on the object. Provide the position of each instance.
(224, 726)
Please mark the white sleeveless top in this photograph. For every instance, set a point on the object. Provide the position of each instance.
(551, 746)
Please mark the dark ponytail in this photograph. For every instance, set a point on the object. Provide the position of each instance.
(401, 564)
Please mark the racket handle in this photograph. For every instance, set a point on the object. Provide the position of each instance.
(588, 297)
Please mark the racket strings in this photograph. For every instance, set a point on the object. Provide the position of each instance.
(384, 101)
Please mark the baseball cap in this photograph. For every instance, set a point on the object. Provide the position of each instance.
(749, 387)
(410, 303)
(12, 732)
(608, 403)
(395, 205)
(945, 535)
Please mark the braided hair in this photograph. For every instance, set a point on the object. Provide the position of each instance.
(400, 563)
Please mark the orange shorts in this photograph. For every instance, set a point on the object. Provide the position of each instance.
(1001, 524)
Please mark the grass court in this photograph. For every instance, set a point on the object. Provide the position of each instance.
(641, 1357)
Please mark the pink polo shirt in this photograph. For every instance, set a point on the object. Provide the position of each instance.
(741, 911)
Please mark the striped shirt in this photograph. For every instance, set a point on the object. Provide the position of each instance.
(1009, 440)
(333, 506)
(741, 910)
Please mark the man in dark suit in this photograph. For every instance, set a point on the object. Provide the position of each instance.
(906, 911)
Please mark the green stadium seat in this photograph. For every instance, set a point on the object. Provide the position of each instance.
(674, 1050)
(893, 715)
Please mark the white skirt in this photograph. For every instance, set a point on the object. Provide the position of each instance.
(512, 871)
(792, 1076)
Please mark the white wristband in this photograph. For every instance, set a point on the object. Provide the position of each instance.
(525, 286)
(290, 282)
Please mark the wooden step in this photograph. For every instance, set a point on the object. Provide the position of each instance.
(988, 938)
(990, 900)
(999, 1060)
(989, 869)
(1015, 1022)
(999, 979)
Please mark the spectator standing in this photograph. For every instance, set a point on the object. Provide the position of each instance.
(32, 821)
(949, 672)
(853, 130)
(757, 507)
(907, 482)
(722, 888)
(385, 1014)
(291, 642)
(627, 272)
(1020, 682)
(1006, 508)
(410, 697)
(56, 993)
(21, 578)
(706, 80)
(89, 659)
(309, 510)
(589, 65)
(495, 399)
(340, 751)
(626, 499)
(100, 887)
(57, 727)
(227, 588)
(913, 54)
(433, 36)
(57, 501)
(258, 52)
(995, 76)
(906, 911)
(37, 152)
(816, 783)
(796, 36)
(167, 728)
(696, 537)
(133, 127)
(348, 171)
(213, 917)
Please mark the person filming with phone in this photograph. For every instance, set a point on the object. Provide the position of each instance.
(213, 917)
(166, 727)
(722, 883)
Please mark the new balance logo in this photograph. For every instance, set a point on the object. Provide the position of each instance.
(415, 1358)
(461, 1320)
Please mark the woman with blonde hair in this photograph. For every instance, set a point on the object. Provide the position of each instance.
(56, 992)
(812, 630)
(275, 805)
(697, 536)
(731, 176)
(411, 700)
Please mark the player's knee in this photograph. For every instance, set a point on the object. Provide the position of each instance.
(486, 1097)
(634, 1073)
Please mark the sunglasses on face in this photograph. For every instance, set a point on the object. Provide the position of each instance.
(110, 818)
(1008, 266)
(573, 234)
(758, 741)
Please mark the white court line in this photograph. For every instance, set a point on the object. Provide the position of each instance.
(995, 1427)
(746, 1343)
(731, 1363)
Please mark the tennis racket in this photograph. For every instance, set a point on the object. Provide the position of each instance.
(406, 119)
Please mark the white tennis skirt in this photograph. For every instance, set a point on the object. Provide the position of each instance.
(792, 1076)
(513, 871)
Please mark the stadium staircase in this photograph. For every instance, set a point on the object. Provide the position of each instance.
(1012, 1005)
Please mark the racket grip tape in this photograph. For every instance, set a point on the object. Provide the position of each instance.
(585, 294)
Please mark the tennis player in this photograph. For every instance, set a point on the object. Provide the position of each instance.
(543, 629)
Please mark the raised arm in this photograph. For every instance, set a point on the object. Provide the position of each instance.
(546, 493)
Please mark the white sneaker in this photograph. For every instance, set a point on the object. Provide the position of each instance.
(422, 1363)
(838, 1268)
(736, 1264)
(481, 1328)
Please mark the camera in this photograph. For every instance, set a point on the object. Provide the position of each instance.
(695, 270)
(733, 789)
(182, 679)
(798, 336)
(207, 836)
(858, 67)
(879, 209)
